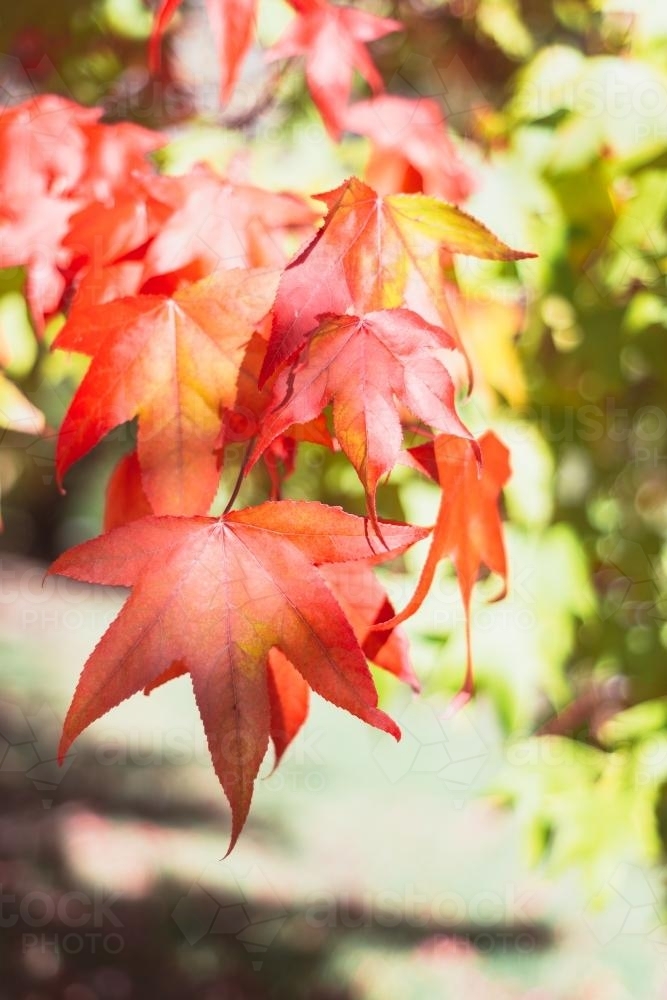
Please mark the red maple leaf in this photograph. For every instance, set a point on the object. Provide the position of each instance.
(364, 602)
(214, 597)
(115, 153)
(374, 253)
(173, 362)
(243, 422)
(44, 146)
(362, 365)
(107, 243)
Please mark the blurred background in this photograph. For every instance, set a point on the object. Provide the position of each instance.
(516, 850)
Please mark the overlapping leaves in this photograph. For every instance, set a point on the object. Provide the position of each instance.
(200, 329)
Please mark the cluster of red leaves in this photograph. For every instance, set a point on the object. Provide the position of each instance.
(198, 325)
(410, 147)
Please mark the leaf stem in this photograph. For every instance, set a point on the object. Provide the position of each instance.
(239, 478)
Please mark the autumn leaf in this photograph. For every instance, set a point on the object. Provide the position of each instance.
(411, 150)
(333, 40)
(173, 363)
(32, 232)
(97, 284)
(289, 698)
(44, 147)
(232, 23)
(468, 529)
(251, 403)
(374, 253)
(116, 152)
(107, 244)
(57, 158)
(103, 234)
(203, 329)
(216, 225)
(215, 596)
(364, 602)
(363, 365)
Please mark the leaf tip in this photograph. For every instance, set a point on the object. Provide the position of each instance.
(63, 746)
(459, 701)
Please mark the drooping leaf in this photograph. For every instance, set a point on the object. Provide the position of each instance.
(233, 25)
(214, 597)
(469, 528)
(173, 363)
(163, 17)
(363, 365)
